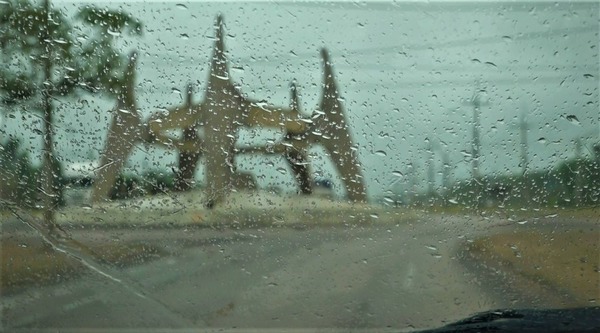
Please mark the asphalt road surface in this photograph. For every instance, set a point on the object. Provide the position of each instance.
(403, 276)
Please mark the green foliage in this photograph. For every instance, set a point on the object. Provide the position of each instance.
(83, 56)
(572, 183)
(17, 175)
(111, 22)
(150, 183)
(45, 57)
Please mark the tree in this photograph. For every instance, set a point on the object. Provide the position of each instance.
(46, 58)
(17, 174)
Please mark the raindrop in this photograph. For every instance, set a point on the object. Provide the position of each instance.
(381, 153)
(522, 222)
(374, 215)
(453, 201)
(181, 6)
(542, 140)
(489, 63)
(397, 173)
(588, 76)
(431, 247)
(281, 170)
(184, 36)
(573, 119)
(221, 77)
(114, 33)
(507, 38)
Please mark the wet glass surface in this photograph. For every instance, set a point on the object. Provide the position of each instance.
(305, 165)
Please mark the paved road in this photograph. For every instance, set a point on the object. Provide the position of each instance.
(403, 276)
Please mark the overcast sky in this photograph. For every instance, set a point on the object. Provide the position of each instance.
(406, 71)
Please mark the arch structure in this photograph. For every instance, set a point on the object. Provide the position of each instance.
(222, 112)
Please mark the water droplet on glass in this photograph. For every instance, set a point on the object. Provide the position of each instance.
(453, 201)
(573, 119)
(397, 173)
(181, 6)
(588, 76)
(522, 222)
(431, 247)
(542, 140)
(381, 153)
(114, 33)
(184, 36)
(282, 170)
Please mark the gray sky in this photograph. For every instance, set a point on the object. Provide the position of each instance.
(405, 71)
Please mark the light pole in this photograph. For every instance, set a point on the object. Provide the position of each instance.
(477, 101)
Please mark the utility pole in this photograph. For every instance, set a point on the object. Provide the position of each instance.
(445, 171)
(477, 101)
(523, 128)
(579, 181)
(412, 170)
(430, 169)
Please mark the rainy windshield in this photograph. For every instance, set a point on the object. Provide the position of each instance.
(296, 165)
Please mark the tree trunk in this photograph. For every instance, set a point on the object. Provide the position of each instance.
(48, 192)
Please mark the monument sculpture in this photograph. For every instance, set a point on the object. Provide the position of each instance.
(222, 112)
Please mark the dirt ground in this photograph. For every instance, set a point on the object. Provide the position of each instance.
(568, 262)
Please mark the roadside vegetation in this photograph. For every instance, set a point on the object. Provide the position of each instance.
(565, 262)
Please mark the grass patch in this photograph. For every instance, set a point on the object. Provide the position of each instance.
(586, 213)
(568, 261)
(29, 262)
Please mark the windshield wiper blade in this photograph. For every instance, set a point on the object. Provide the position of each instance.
(576, 320)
